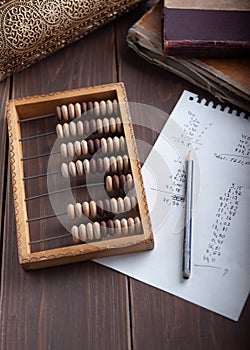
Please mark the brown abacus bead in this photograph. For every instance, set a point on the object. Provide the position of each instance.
(122, 182)
(100, 208)
(90, 108)
(116, 183)
(86, 127)
(97, 144)
(91, 147)
(93, 165)
(99, 164)
(103, 227)
(107, 206)
(93, 125)
(110, 225)
(84, 107)
(59, 113)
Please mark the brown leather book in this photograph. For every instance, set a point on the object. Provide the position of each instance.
(211, 28)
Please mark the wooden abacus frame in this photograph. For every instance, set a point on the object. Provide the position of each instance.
(34, 106)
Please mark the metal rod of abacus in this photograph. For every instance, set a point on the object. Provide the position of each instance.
(41, 175)
(39, 156)
(36, 118)
(50, 238)
(26, 138)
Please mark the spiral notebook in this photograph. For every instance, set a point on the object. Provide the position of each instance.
(220, 143)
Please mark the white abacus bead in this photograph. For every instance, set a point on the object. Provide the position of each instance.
(90, 232)
(105, 123)
(118, 227)
(122, 144)
(129, 180)
(114, 205)
(109, 107)
(137, 224)
(78, 210)
(109, 185)
(103, 107)
(70, 149)
(72, 169)
(59, 131)
(127, 203)
(79, 167)
(65, 113)
(63, 150)
(125, 162)
(65, 170)
(72, 129)
(116, 144)
(106, 164)
(86, 166)
(115, 107)
(119, 163)
(124, 226)
(85, 209)
(93, 209)
(71, 211)
(71, 110)
(84, 146)
(104, 146)
(77, 147)
(82, 233)
(113, 164)
(96, 108)
(97, 230)
(78, 110)
(99, 126)
(75, 234)
(133, 201)
(131, 226)
(112, 125)
(120, 203)
(79, 125)
(110, 145)
(66, 130)
(118, 124)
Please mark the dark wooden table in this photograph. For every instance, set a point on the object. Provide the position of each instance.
(85, 305)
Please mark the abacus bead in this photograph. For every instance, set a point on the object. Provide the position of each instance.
(63, 150)
(85, 209)
(96, 229)
(92, 164)
(65, 114)
(75, 234)
(110, 145)
(122, 144)
(78, 110)
(59, 131)
(84, 107)
(120, 203)
(72, 129)
(126, 162)
(105, 125)
(124, 226)
(71, 110)
(79, 167)
(127, 203)
(103, 108)
(82, 233)
(133, 201)
(71, 150)
(78, 210)
(96, 108)
(122, 182)
(110, 224)
(103, 228)
(116, 144)
(77, 147)
(100, 210)
(92, 207)
(107, 206)
(66, 130)
(109, 185)
(90, 232)
(72, 169)
(137, 224)
(91, 146)
(118, 124)
(129, 179)
(114, 205)
(99, 126)
(65, 170)
(115, 107)
(113, 164)
(99, 164)
(59, 113)
(131, 227)
(86, 166)
(86, 127)
(104, 146)
(80, 128)
(71, 211)
(116, 182)
(109, 107)
(93, 125)
(84, 146)
(119, 163)
(97, 144)
(90, 108)
(106, 164)
(118, 228)
(112, 125)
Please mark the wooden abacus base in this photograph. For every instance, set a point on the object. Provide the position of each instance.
(83, 140)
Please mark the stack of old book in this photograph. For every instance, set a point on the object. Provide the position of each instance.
(205, 42)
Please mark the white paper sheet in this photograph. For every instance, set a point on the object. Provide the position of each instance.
(220, 144)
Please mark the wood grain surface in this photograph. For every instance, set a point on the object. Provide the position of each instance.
(85, 305)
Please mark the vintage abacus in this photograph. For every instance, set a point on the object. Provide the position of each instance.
(77, 184)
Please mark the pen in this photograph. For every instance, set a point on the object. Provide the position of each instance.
(186, 270)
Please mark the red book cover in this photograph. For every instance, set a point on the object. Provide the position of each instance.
(211, 28)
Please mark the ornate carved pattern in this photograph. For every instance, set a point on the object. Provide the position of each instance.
(31, 30)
